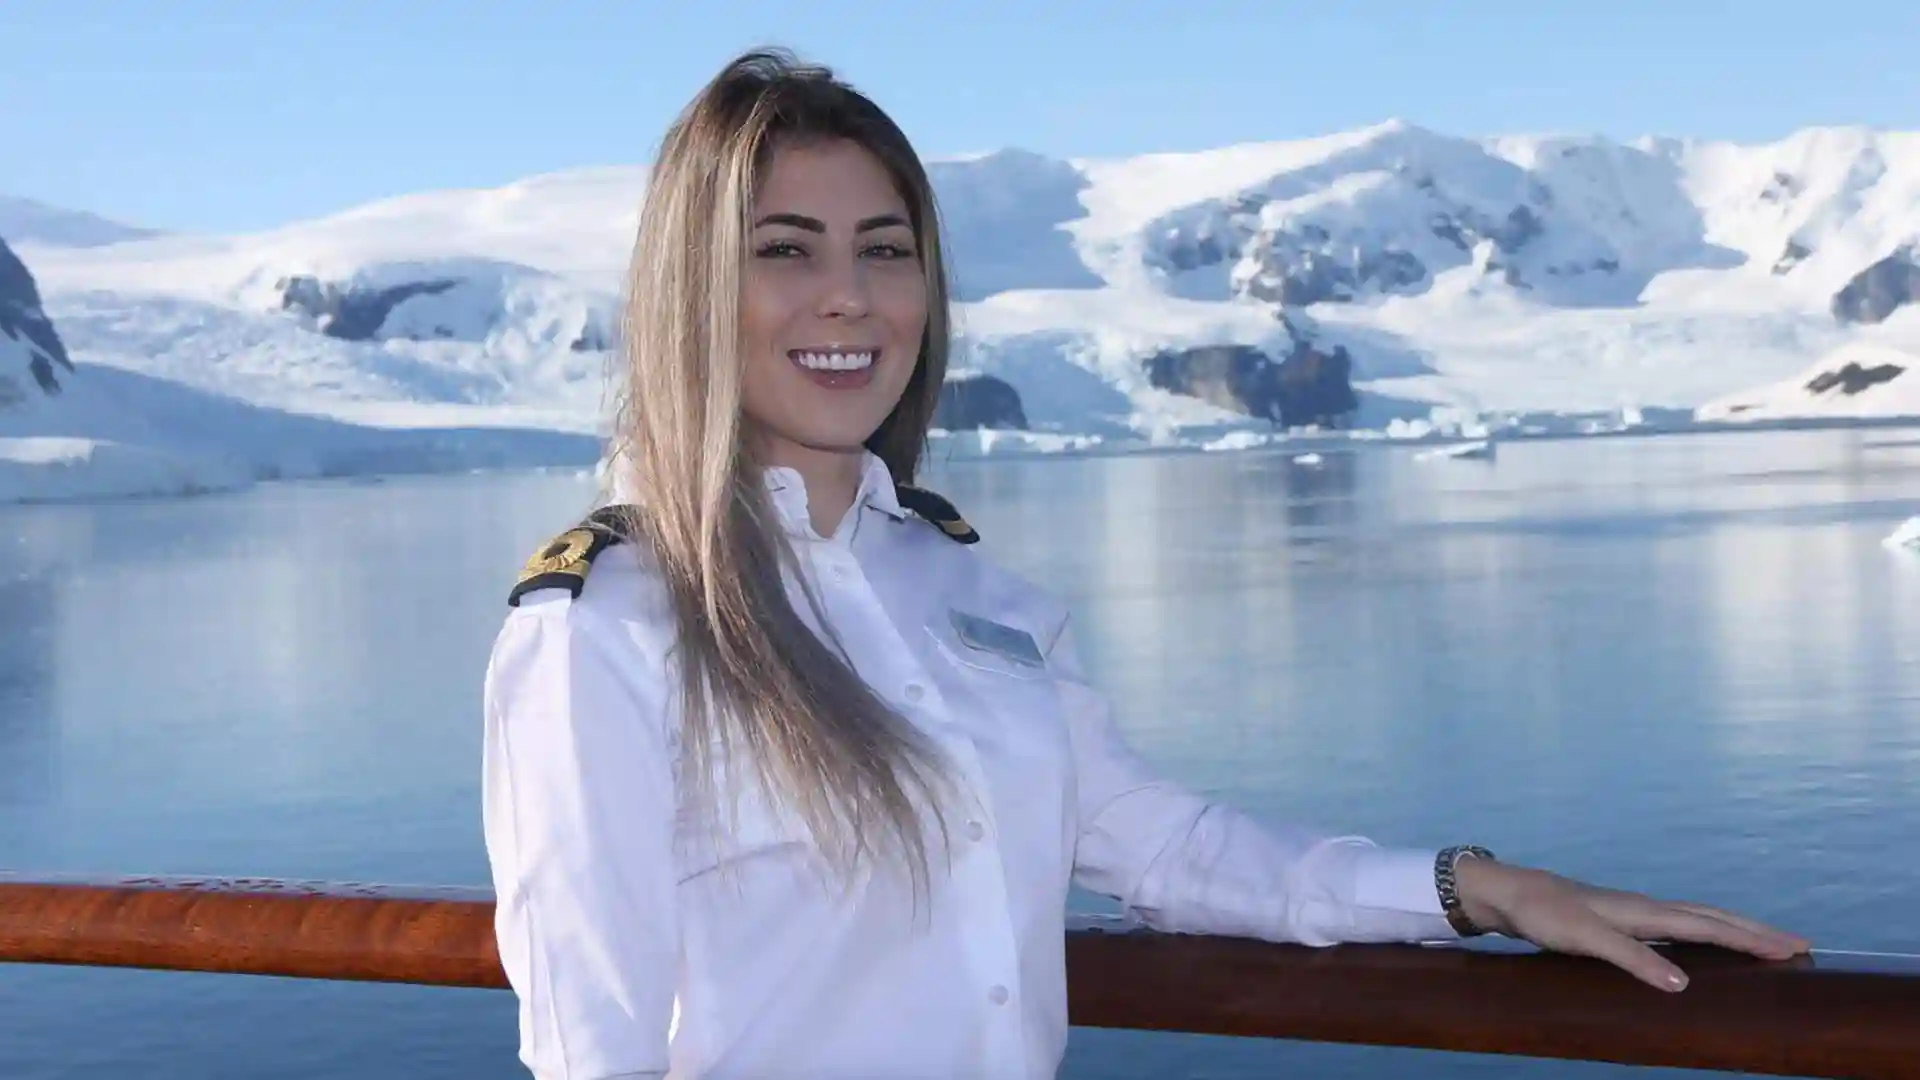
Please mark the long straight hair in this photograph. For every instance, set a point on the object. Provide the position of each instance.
(755, 677)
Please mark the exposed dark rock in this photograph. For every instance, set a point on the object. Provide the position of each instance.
(353, 314)
(1316, 387)
(1306, 265)
(1604, 266)
(1520, 227)
(1794, 253)
(1308, 387)
(979, 401)
(590, 340)
(1449, 230)
(1880, 289)
(1852, 378)
(1298, 276)
(1780, 188)
(1194, 252)
(23, 318)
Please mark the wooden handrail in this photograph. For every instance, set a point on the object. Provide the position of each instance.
(1827, 1015)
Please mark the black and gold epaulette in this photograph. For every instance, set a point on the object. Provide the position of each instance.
(938, 510)
(565, 561)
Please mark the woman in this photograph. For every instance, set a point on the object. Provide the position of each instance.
(782, 778)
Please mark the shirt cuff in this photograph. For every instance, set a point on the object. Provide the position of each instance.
(1396, 879)
(1396, 886)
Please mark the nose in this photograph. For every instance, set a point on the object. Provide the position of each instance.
(844, 290)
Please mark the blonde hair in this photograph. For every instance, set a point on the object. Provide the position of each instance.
(754, 676)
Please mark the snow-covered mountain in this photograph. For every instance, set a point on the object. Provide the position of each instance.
(58, 436)
(25, 221)
(89, 430)
(1144, 297)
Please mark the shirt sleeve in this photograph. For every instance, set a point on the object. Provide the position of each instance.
(1181, 863)
(578, 809)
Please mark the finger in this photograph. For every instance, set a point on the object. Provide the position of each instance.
(1689, 926)
(1795, 941)
(1681, 923)
(1603, 942)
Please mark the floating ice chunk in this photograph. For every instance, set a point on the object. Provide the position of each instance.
(1477, 450)
(1906, 537)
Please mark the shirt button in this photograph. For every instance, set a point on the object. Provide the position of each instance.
(997, 995)
(975, 830)
(915, 692)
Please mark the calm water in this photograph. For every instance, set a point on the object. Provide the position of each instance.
(1682, 665)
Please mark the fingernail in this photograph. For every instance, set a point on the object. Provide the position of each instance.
(1676, 981)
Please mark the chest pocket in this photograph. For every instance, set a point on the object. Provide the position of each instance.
(1000, 687)
(982, 645)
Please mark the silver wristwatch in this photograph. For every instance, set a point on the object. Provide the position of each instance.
(1448, 887)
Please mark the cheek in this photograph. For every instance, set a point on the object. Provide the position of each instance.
(904, 304)
(760, 311)
(763, 318)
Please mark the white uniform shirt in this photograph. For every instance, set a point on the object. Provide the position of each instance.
(630, 957)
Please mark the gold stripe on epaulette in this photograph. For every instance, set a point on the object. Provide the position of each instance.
(565, 561)
(564, 552)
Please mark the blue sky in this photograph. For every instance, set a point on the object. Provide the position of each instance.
(241, 114)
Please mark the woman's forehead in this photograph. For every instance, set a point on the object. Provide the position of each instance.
(837, 181)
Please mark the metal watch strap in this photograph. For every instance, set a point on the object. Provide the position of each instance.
(1448, 887)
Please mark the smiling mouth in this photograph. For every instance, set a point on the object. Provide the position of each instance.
(834, 360)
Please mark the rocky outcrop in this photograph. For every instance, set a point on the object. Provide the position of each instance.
(474, 303)
(1465, 228)
(979, 401)
(1284, 249)
(1881, 289)
(351, 313)
(1290, 272)
(590, 339)
(1316, 387)
(1791, 256)
(1307, 387)
(24, 325)
(1309, 265)
(1851, 378)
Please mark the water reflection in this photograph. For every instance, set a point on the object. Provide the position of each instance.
(28, 688)
(1320, 493)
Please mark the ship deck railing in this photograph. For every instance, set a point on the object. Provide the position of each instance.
(1834, 1014)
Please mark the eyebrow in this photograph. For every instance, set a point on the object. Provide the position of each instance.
(815, 225)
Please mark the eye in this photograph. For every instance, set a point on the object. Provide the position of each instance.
(888, 251)
(778, 249)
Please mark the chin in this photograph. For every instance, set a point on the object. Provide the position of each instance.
(834, 424)
(844, 441)
(814, 420)
(815, 435)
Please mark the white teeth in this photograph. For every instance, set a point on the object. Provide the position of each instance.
(835, 361)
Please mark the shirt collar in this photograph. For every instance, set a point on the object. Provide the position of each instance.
(876, 492)
(789, 494)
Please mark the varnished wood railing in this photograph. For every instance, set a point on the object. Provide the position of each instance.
(1827, 1015)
